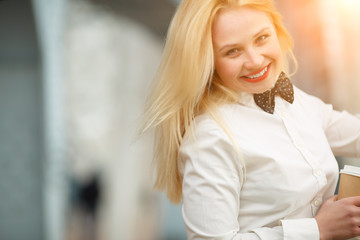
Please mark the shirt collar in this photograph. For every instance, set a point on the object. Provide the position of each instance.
(247, 99)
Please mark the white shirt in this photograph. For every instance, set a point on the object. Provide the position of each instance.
(290, 169)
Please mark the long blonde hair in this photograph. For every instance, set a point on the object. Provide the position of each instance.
(186, 83)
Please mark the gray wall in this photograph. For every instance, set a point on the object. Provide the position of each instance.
(21, 144)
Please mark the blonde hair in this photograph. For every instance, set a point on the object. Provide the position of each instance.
(186, 83)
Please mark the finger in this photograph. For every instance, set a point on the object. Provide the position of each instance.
(333, 198)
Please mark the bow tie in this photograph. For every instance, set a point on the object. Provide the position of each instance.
(283, 87)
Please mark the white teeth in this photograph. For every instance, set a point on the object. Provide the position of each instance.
(259, 74)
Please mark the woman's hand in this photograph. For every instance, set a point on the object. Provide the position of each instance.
(339, 219)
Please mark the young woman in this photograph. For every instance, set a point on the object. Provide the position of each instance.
(250, 155)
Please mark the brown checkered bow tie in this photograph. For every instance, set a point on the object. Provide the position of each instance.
(283, 87)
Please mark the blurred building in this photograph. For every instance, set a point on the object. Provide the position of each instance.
(74, 76)
(21, 130)
(32, 156)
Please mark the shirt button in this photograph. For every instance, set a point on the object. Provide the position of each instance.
(318, 173)
(317, 202)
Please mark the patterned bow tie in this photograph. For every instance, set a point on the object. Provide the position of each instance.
(283, 87)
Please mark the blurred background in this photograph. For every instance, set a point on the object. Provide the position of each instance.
(74, 75)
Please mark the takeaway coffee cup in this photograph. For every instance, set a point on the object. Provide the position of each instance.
(349, 185)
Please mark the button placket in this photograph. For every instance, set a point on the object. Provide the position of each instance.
(317, 202)
(315, 205)
(318, 173)
(320, 177)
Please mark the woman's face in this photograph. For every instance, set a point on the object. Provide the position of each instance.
(246, 49)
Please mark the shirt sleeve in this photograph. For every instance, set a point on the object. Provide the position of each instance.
(212, 179)
(342, 131)
(294, 229)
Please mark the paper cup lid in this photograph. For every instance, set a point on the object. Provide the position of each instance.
(351, 170)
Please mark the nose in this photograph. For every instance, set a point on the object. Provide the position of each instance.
(253, 59)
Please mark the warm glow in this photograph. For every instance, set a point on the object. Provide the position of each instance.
(349, 11)
(350, 5)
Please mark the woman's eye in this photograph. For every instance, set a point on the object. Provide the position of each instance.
(262, 38)
(232, 52)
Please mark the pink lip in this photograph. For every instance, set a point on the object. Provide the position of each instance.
(259, 79)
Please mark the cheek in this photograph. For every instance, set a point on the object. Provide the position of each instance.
(226, 69)
(276, 50)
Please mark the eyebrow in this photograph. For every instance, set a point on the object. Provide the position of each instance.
(235, 44)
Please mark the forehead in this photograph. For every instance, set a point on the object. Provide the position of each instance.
(233, 23)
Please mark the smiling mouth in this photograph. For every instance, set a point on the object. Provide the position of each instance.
(259, 76)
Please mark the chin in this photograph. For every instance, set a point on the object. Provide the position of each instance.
(260, 91)
(263, 88)
(268, 85)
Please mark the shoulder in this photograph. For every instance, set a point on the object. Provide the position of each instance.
(214, 124)
(310, 101)
(209, 145)
(218, 125)
(205, 128)
(303, 96)
(299, 93)
(314, 107)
